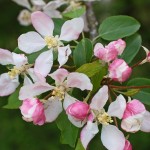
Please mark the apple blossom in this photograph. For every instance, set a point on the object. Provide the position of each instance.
(33, 42)
(128, 145)
(33, 110)
(119, 70)
(64, 81)
(147, 59)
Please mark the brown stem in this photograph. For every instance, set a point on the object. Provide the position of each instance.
(129, 87)
(48, 96)
(137, 64)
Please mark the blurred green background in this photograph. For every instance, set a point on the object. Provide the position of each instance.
(16, 134)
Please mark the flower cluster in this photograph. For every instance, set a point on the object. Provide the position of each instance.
(47, 89)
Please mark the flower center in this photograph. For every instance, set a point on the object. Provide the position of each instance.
(26, 15)
(17, 71)
(52, 41)
(104, 118)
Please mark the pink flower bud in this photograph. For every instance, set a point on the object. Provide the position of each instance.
(134, 107)
(119, 70)
(127, 146)
(78, 110)
(107, 53)
(119, 45)
(33, 110)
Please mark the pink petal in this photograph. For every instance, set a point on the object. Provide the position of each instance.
(24, 3)
(128, 145)
(44, 63)
(42, 23)
(100, 98)
(117, 107)
(79, 80)
(53, 108)
(88, 133)
(63, 54)
(71, 29)
(59, 75)
(31, 42)
(19, 59)
(29, 91)
(145, 126)
(112, 138)
(7, 85)
(5, 57)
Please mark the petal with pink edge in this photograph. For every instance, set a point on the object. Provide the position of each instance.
(29, 91)
(117, 108)
(19, 59)
(5, 57)
(59, 75)
(31, 42)
(88, 133)
(100, 98)
(7, 85)
(145, 126)
(63, 54)
(43, 63)
(53, 108)
(42, 23)
(112, 138)
(71, 29)
(79, 80)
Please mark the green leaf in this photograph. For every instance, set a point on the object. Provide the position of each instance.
(13, 101)
(69, 132)
(79, 145)
(83, 52)
(90, 69)
(144, 94)
(58, 24)
(75, 13)
(133, 46)
(116, 27)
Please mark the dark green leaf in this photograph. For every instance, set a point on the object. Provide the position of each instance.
(69, 132)
(83, 52)
(13, 101)
(79, 145)
(58, 24)
(116, 27)
(133, 46)
(75, 13)
(144, 94)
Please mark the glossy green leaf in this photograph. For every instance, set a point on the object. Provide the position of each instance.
(79, 145)
(133, 44)
(83, 52)
(116, 27)
(75, 13)
(69, 132)
(144, 94)
(13, 100)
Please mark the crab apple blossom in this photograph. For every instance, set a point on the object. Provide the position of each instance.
(136, 117)
(147, 59)
(33, 110)
(128, 145)
(64, 81)
(10, 81)
(32, 41)
(119, 70)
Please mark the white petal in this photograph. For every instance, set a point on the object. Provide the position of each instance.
(7, 85)
(52, 109)
(71, 29)
(53, 13)
(112, 138)
(19, 59)
(27, 81)
(100, 98)
(63, 54)
(5, 57)
(59, 75)
(145, 126)
(42, 23)
(117, 108)
(79, 80)
(24, 3)
(88, 132)
(44, 63)
(29, 91)
(38, 2)
(31, 42)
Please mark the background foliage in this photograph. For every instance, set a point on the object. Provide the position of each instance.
(16, 134)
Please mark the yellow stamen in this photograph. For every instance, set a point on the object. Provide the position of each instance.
(51, 41)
